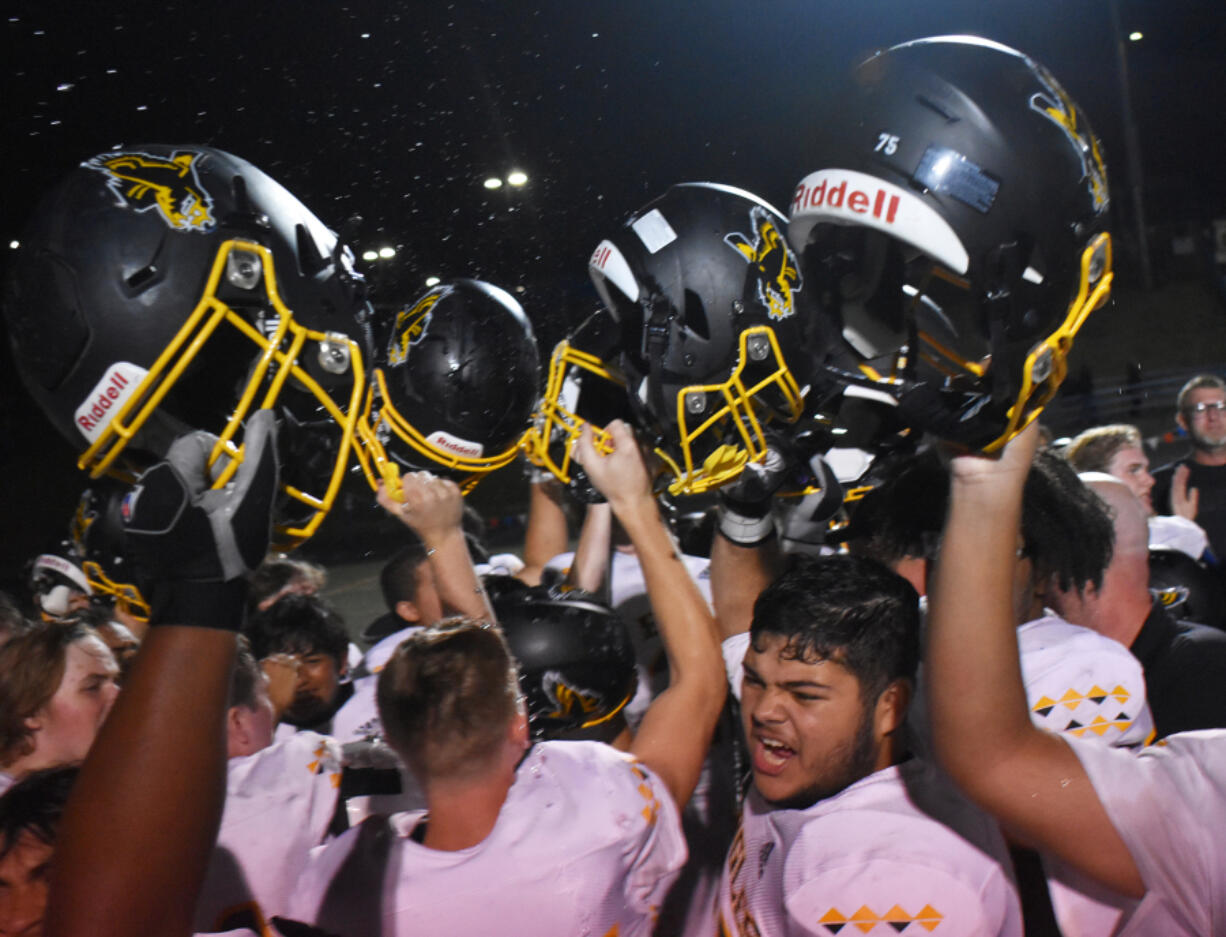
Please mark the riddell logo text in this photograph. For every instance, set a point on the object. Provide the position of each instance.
(107, 396)
(459, 447)
(857, 201)
(600, 256)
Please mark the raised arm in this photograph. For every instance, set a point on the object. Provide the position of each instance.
(745, 555)
(1029, 779)
(140, 825)
(590, 568)
(739, 573)
(434, 508)
(676, 730)
(548, 533)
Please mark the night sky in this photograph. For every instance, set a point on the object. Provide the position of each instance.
(397, 112)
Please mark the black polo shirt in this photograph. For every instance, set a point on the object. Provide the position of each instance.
(1185, 673)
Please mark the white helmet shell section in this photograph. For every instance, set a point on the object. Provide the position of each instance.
(844, 196)
(608, 263)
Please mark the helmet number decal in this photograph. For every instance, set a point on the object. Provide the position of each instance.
(887, 143)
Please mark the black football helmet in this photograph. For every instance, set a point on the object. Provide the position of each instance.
(96, 534)
(575, 659)
(455, 379)
(704, 287)
(585, 386)
(163, 289)
(1186, 588)
(955, 228)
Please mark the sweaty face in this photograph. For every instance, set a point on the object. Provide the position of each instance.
(65, 728)
(809, 732)
(23, 887)
(319, 678)
(1208, 427)
(1131, 466)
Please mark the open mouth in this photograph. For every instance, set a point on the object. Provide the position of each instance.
(770, 756)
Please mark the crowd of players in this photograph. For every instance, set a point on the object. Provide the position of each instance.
(912, 673)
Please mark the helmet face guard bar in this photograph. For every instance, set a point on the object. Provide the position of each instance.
(127, 597)
(243, 263)
(1047, 364)
(374, 427)
(1044, 368)
(759, 352)
(549, 442)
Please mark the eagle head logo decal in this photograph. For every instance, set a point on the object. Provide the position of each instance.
(768, 250)
(569, 701)
(153, 183)
(1055, 104)
(410, 326)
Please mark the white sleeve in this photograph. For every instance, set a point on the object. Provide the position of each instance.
(1167, 806)
(658, 852)
(898, 894)
(734, 649)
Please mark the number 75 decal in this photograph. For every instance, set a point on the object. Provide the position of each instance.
(887, 143)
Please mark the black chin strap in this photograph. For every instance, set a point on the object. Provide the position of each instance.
(657, 319)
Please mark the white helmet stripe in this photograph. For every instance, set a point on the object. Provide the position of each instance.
(608, 262)
(843, 196)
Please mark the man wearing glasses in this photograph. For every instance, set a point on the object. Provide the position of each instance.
(1195, 486)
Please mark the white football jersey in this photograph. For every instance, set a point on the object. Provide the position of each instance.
(279, 802)
(897, 852)
(358, 719)
(1168, 804)
(587, 842)
(1082, 683)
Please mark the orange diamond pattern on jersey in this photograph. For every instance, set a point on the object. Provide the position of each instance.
(1100, 725)
(897, 919)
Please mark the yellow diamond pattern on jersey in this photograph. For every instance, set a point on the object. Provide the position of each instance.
(1096, 695)
(897, 919)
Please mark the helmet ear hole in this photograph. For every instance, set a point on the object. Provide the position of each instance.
(141, 279)
(696, 315)
(242, 199)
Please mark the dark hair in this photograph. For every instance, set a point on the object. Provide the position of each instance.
(904, 515)
(246, 676)
(1066, 528)
(398, 578)
(298, 624)
(847, 609)
(34, 805)
(31, 667)
(1093, 450)
(446, 697)
(276, 573)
